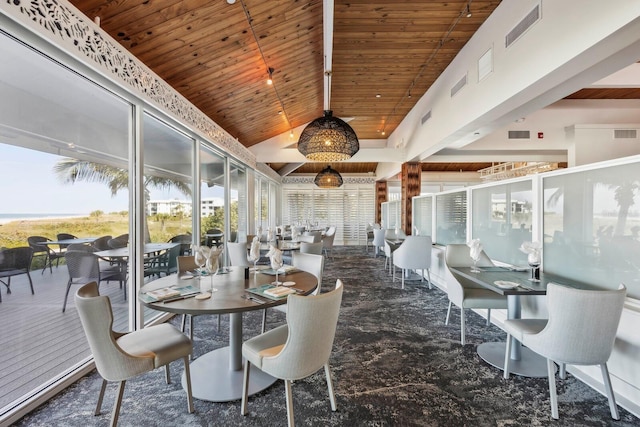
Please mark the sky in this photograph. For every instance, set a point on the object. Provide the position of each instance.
(28, 185)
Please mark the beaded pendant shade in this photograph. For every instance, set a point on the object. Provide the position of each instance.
(328, 178)
(328, 139)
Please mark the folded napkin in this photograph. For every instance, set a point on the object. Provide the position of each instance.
(475, 249)
(212, 259)
(275, 255)
(254, 251)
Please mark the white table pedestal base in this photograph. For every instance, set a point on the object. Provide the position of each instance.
(530, 364)
(213, 381)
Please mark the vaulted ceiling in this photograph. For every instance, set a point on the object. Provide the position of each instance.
(386, 54)
(217, 53)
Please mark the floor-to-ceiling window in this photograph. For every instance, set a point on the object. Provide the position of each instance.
(238, 218)
(212, 189)
(64, 156)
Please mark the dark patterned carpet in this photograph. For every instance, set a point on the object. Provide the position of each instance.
(394, 363)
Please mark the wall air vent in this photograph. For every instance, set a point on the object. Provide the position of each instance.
(485, 64)
(519, 134)
(531, 18)
(425, 118)
(461, 83)
(625, 134)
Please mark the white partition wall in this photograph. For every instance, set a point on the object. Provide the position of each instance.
(588, 221)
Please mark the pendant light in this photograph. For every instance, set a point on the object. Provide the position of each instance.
(328, 178)
(328, 138)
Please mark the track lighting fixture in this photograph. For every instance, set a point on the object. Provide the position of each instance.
(270, 78)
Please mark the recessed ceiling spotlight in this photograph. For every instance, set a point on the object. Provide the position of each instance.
(520, 120)
(378, 95)
(231, 1)
(270, 78)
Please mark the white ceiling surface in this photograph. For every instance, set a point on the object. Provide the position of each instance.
(547, 63)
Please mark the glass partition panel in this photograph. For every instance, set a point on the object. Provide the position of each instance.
(64, 144)
(212, 208)
(451, 218)
(502, 218)
(422, 216)
(592, 226)
(391, 214)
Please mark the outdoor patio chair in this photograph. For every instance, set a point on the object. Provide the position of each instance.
(15, 261)
(64, 236)
(83, 268)
(44, 251)
(120, 241)
(185, 241)
(102, 243)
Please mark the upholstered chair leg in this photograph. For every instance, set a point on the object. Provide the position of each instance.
(446, 322)
(116, 407)
(551, 371)
(488, 317)
(462, 332)
(245, 388)
(287, 389)
(429, 277)
(183, 323)
(167, 374)
(607, 387)
(187, 375)
(218, 323)
(264, 320)
(332, 397)
(402, 272)
(100, 397)
(507, 357)
(563, 371)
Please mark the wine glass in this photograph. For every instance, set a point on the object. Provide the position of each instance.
(534, 262)
(212, 268)
(200, 259)
(276, 265)
(475, 256)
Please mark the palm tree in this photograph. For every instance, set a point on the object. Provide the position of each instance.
(70, 170)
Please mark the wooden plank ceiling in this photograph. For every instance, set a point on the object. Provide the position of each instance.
(386, 55)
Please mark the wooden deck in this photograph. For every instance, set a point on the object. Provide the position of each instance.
(38, 342)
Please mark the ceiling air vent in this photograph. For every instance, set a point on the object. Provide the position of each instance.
(519, 134)
(461, 83)
(531, 18)
(625, 133)
(425, 118)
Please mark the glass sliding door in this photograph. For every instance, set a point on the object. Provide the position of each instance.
(64, 156)
(168, 197)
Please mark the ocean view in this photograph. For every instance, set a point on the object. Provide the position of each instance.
(9, 217)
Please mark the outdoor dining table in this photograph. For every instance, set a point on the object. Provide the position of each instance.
(523, 361)
(120, 256)
(217, 376)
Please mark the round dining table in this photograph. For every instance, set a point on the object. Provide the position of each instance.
(217, 376)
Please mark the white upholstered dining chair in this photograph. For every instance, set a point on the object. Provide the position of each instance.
(413, 254)
(121, 356)
(298, 349)
(464, 292)
(581, 330)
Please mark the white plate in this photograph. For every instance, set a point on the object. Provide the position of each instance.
(288, 283)
(503, 284)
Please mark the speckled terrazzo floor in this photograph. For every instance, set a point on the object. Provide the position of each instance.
(394, 363)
